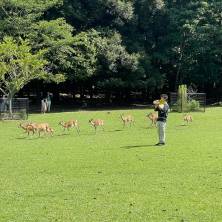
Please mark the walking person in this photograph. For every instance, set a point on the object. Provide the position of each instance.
(163, 108)
(43, 106)
(3, 106)
(49, 101)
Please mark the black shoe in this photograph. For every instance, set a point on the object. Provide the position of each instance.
(160, 144)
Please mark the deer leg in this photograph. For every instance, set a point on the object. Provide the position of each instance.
(77, 129)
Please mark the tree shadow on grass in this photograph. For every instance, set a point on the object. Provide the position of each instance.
(137, 146)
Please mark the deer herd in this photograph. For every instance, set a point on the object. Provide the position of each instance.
(44, 128)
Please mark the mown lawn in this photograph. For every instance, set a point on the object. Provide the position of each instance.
(116, 175)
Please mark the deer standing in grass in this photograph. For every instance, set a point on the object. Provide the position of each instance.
(127, 119)
(153, 118)
(96, 123)
(70, 124)
(27, 128)
(40, 127)
(187, 118)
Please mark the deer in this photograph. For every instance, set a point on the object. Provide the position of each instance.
(70, 124)
(50, 131)
(127, 119)
(187, 118)
(27, 128)
(96, 123)
(40, 127)
(153, 117)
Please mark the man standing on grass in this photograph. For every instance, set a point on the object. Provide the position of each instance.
(162, 107)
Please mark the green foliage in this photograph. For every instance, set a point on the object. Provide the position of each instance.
(93, 13)
(117, 66)
(18, 16)
(150, 45)
(193, 105)
(85, 55)
(19, 66)
(55, 37)
(185, 104)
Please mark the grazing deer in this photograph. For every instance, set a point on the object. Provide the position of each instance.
(187, 118)
(27, 128)
(97, 122)
(70, 124)
(153, 118)
(127, 119)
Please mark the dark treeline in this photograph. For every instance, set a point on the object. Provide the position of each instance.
(117, 47)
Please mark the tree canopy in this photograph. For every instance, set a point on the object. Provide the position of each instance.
(122, 45)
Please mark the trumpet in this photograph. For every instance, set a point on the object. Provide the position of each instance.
(159, 103)
(156, 102)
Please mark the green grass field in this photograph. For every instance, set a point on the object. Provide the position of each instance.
(116, 175)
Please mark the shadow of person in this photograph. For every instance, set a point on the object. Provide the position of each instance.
(182, 125)
(136, 146)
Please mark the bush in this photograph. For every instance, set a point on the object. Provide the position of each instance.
(193, 105)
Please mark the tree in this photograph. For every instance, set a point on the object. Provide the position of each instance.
(85, 55)
(192, 44)
(18, 16)
(19, 66)
(55, 37)
(85, 15)
(117, 67)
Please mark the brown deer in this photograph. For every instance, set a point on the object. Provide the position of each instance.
(96, 123)
(27, 128)
(40, 127)
(187, 118)
(153, 118)
(70, 124)
(127, 119)
(50, 131)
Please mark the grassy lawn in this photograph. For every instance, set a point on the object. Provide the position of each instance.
(115, 175)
